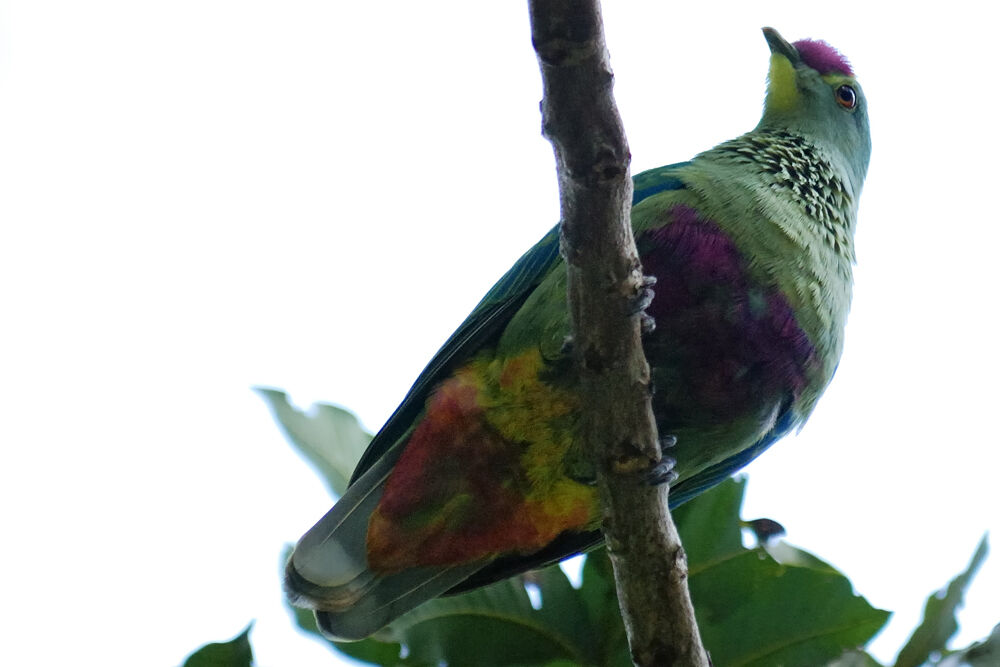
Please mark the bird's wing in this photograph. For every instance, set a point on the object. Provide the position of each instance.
(480, 328)
(655, 181)
(488, 319)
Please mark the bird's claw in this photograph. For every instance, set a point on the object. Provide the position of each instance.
(641, 300)
(663, 472)
(582, 470)
(647, 324)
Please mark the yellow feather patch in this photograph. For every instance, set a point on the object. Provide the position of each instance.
(525, 409)
(782, 91)
(518, 404)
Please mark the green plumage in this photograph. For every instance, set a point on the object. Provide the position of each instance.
(751, 243)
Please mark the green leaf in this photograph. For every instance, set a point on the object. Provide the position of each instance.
(754, 610)
(601, 599)
(234, 653)
(981, 654)
(477, 628)
(709, 525)
(939, 623)
(563, 609)
(751, 609)
(329, 437)
(786, 554)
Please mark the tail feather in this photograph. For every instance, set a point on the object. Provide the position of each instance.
(328, 571)
(388, 598)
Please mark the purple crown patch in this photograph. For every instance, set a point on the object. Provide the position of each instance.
(822, 57)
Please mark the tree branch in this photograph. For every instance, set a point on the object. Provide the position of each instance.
(581, 120)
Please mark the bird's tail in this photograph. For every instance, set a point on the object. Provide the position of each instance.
(328, 571)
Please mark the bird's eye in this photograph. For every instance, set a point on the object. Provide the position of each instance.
(846, 97)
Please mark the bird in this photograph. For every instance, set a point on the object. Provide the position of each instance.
(475, 477)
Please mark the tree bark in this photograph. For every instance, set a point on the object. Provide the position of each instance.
(606, 285)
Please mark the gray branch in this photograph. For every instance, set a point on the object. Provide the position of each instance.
(581, 120)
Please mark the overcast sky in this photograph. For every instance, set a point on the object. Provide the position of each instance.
(201, 196)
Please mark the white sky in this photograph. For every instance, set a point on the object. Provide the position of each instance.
(200, 196)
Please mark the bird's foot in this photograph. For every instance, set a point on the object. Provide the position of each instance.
(663, 472)
(647, 324)
(581, 470)
(641, 300)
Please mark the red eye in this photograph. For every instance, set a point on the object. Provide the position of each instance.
(846, 97)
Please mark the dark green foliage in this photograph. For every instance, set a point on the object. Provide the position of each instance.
(601, 600)
(234, 653)
(752, 610)
(775, 604)
(327, 436)
(981, 654)
(476, 628)
(939, 623)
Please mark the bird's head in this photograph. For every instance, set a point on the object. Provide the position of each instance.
(812, 91)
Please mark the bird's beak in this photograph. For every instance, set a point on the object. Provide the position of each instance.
(778, 45)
